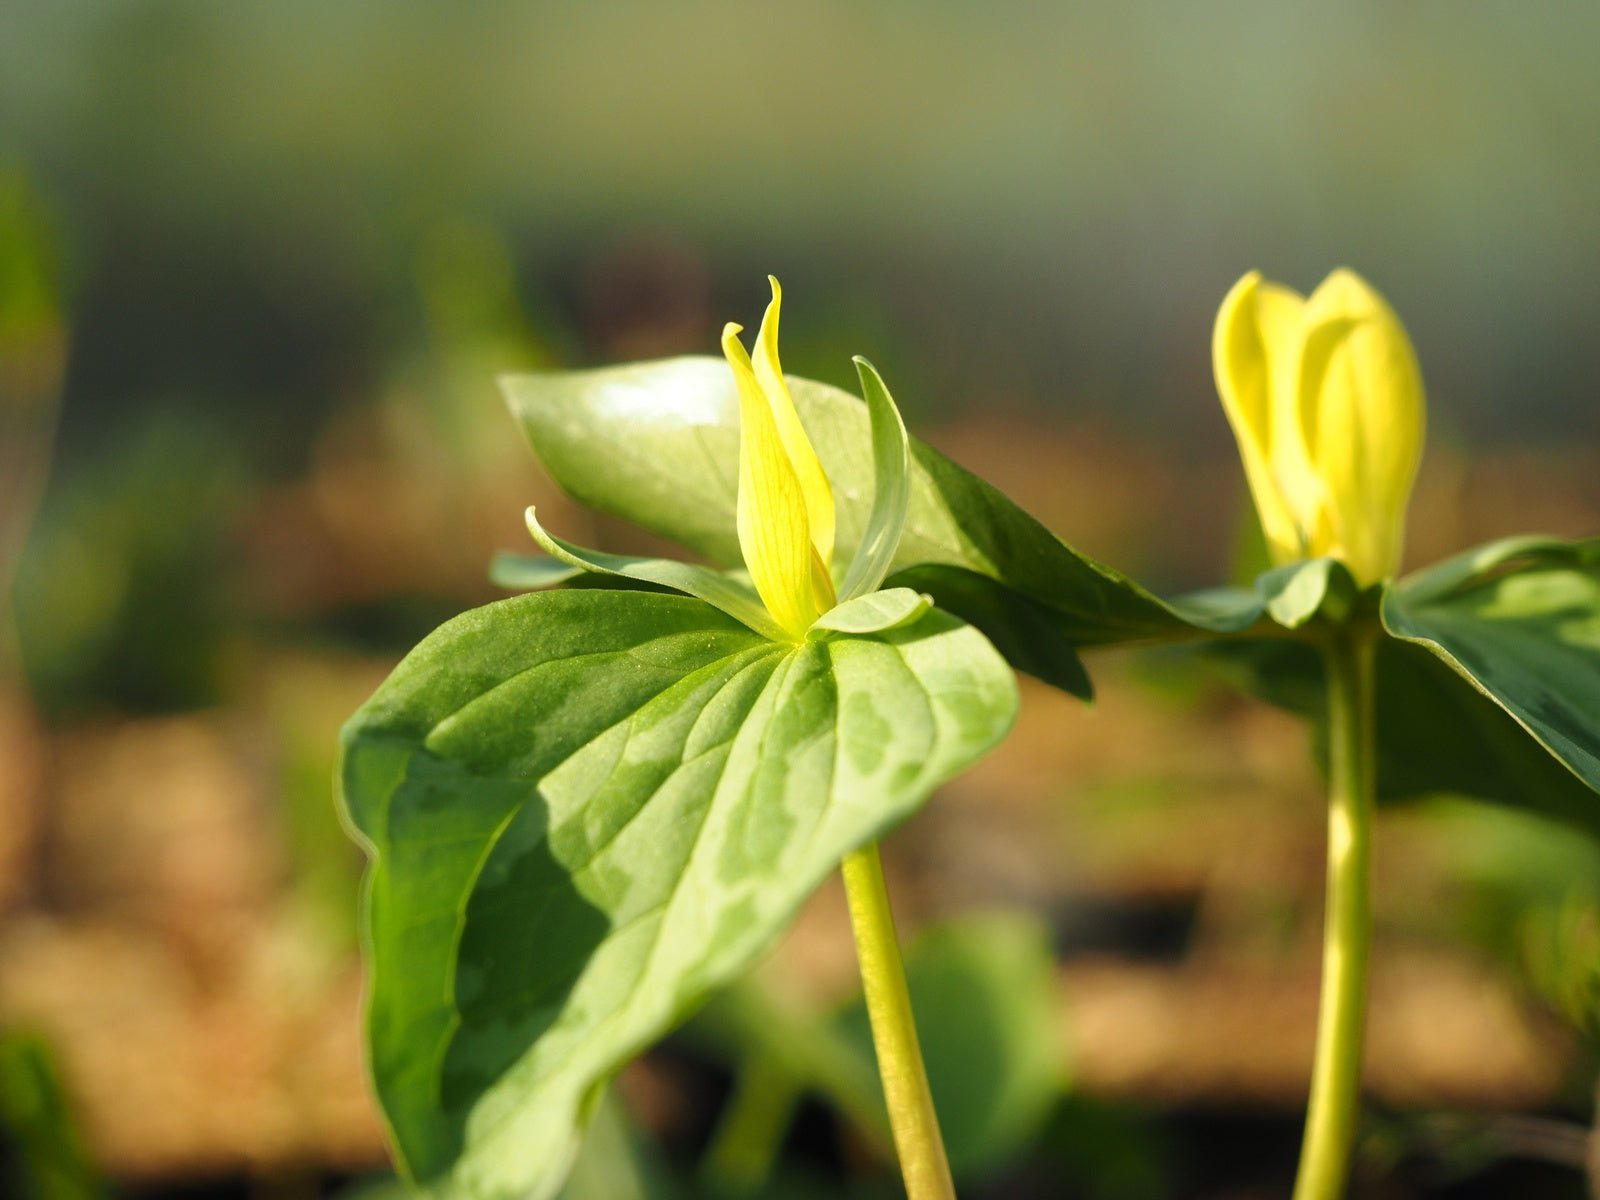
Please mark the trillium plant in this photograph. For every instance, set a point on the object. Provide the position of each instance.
(589, 807)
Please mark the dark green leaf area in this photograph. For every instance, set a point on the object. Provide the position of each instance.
(588, 808)
(1023, 630)
(1436, 733)
(1524, 630)
(658, 444)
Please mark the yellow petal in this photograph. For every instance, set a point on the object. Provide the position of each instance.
(1254, 347)
(774, 531)
(808, 470)
(1363, 413)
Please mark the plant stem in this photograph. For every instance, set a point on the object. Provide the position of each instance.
(894, 1032)
(1336, 1071)
(751, 1133)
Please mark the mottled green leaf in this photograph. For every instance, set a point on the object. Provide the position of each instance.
(1481, 563)
(1488, 688)
(586, 809)
(1520, 623)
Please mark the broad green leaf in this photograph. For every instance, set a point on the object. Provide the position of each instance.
(1439, 734)
(1521, 625)
(585, 810)
(658, 444)
(891, 488)
(988, 1013)
(1482, 564)
(739, 602)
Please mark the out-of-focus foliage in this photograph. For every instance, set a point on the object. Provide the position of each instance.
(37, 1121)
(33, 343)
(32, 330)
(989, 1019)
(125, 595)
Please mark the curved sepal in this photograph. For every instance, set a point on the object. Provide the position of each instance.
(1289, 596)
(716, 589)
(872, 613)
(891, 488)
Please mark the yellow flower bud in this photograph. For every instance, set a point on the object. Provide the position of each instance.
(1326, 403)
(785, 510)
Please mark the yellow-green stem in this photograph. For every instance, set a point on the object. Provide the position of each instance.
(894, 1032)
(1336, 1070)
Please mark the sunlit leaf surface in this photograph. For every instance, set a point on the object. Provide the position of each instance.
(585, 810)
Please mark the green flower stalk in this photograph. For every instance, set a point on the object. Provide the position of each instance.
(1326, 402)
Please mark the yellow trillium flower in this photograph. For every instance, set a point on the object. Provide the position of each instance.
(1325, 399)
(785, 510)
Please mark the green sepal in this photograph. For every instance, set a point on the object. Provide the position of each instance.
(872, 613)
(891, 488)
(1289, 596)
(585, 810)
(736, 599)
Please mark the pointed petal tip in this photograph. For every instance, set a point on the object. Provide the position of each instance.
(1345, 290)
(1233, 301)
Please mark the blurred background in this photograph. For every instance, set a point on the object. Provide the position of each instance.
(259, 266)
